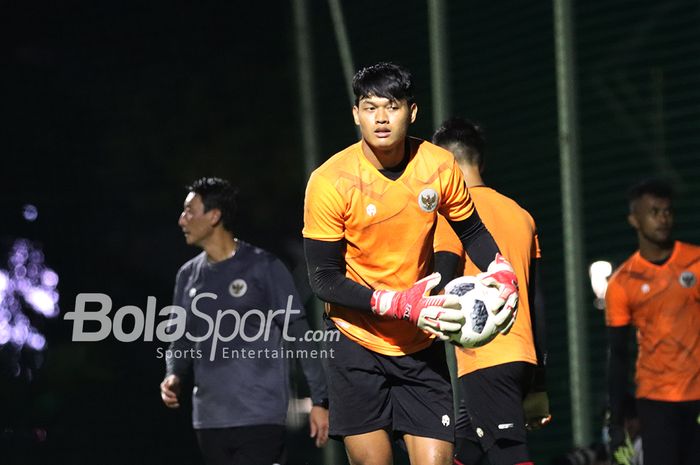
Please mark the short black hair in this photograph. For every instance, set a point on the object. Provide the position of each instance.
(654, 187)
(387, 80)
(217, 193)
(464, 138)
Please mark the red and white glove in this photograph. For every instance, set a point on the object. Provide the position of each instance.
(438, 314)
(501, 276)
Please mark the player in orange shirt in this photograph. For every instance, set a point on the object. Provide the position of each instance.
(656, 290)
(369, 218)
(495, 378)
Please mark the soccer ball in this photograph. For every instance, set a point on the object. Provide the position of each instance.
(483, 310)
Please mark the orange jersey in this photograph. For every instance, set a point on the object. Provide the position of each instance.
(514, 231)
(388, 227)
(663, 303)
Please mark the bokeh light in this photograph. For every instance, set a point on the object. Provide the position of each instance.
(28, 296)
(30, 212)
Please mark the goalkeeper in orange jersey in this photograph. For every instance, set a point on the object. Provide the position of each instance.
(369, 218)
(656, 291)
(502, 383)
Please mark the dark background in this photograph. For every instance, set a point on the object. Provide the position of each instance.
(109, 108)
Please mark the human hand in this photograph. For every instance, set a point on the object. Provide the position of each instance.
(500, 274)
(318, 425)
(536, 408)
(438, 315)
(170, 391)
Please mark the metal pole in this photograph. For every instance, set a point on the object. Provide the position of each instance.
(341, 36)
(302, 35)
(572, 224)
(440, 85)
(310, 146)
(439, 53)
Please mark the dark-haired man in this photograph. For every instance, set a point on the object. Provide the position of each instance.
(496, 379)
(656, 290)
(239, 400)
(369, 218)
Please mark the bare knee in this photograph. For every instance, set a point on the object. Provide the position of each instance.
(429, 451)
(373, 448)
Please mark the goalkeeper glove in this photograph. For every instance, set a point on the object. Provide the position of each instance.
(438, 315)
(500, 275)
(621, 448)
(536, 408)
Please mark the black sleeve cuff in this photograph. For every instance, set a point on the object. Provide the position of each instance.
(321, 403)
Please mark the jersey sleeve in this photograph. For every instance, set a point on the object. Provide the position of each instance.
(324, 211)
(445, 239)
(617, 312)
(282, 290)
(281, 285)
(180, 366)
(457, 204)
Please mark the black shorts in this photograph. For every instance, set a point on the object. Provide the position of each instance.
(242, 445)
(670, 432)
(491, 408)
(407, 394)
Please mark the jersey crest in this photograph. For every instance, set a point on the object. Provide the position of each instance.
(687, 279)
(428, 200)
(238, 288)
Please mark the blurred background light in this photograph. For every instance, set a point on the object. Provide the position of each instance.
(28, 296)
(599, 273)
(30, 212)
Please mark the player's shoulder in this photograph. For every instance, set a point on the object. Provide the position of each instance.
(343, 161)
(625, 270)
(688, 248)
(498, 196)
(193, 263)
(489, 197)
(688, 254)
(254, 255)
(430, 152)
(429, 161)
(516, 207)
(261, 259)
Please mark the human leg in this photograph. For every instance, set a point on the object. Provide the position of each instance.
(491, 413)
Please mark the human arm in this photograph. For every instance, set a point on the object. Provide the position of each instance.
(448, 253)
(618, 319)
(484, 253)
(476, 240)
(177, 368)
(618, 363)
(326, 265)
(282, 287)
(536, 403)
(315, 378)
(446, 264)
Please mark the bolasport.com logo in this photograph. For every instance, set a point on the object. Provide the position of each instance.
(170, 324)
